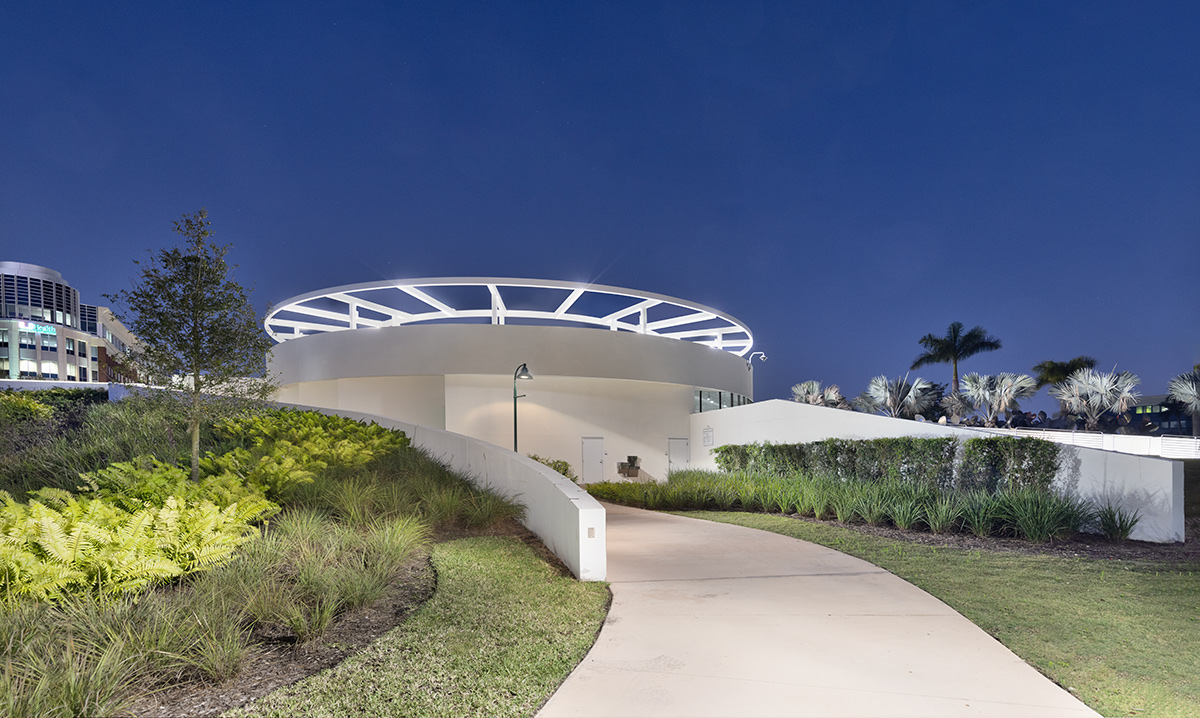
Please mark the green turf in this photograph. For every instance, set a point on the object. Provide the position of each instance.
(503, 630)
(1122, 636)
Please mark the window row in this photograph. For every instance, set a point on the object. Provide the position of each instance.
(709, 400)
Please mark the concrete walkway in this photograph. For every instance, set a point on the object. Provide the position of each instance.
(710, 619)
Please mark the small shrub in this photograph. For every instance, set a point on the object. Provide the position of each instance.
(560, 465)
(943, 513)
(980, 513)
(907, 513)
(1116, 522)
(1041, 515)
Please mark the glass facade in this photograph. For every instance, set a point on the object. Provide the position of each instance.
(44, 330)
(711, 400)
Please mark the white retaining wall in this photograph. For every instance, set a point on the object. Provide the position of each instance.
(563, 515)
(1153, 486)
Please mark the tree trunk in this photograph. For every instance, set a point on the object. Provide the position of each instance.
(195, 429)
(954, 384)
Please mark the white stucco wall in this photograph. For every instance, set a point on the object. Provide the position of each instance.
(634, 391)
(635, 418)
(568, 520)
(1151, 485)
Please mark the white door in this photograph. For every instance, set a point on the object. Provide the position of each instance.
(593, 460)
(679, 454)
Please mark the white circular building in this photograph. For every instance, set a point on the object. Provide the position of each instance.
(615, 372)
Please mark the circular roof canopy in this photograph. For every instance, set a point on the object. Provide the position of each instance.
(494, 300)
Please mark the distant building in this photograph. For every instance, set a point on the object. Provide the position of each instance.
(1164, 413)
(47, 334)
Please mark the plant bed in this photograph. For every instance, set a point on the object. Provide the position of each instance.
(280, 661)
(1080, 545)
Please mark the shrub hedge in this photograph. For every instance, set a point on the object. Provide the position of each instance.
(991, 463)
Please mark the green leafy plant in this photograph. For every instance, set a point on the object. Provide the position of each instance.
(560, 465)
(1115, 521)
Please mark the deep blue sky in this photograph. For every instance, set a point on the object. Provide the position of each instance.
(843, 177)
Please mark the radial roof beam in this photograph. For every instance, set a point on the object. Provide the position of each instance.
(436, 304)
(567, 303)
(681, 320)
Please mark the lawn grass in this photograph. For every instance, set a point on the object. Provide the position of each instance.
(503, 630)
(1123, 636)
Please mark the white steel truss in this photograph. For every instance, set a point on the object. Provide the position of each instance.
(541, 301)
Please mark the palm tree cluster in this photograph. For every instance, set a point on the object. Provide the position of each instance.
(1083, 393)
(1090, 394)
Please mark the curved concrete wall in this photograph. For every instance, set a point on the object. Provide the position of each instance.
(565, 517)
(626, 393)
(444, 349)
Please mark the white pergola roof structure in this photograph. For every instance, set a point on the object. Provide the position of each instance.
(497, 300)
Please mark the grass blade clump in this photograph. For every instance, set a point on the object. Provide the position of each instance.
(943, 513)
(1116, 522)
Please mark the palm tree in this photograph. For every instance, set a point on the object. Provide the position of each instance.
(901, 399)
(1089, 394)
(811, 392)
(1185, 389)
(1055, 372)
(957, 407)
(1001, 392)
(1052, 372)
(954, 347)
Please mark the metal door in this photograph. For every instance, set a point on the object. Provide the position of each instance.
(679, 454)
(592, 468)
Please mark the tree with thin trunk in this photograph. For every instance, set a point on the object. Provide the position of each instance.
(1090, 394)
(198, 337)
(1185, 389)
(954, 347)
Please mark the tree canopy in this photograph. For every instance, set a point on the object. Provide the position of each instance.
(1055, 372)
(197, 333)
(955, 346)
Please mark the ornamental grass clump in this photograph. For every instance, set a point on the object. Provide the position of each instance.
(1115, 521)
(943, 513)
(1041, 516)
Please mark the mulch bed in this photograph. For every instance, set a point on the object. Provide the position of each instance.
(280, 662)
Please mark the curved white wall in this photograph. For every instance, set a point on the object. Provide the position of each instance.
(633, 391)
(565, 517)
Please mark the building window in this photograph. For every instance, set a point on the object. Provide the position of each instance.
(70, 346)
(49, 343)
(3, 337)
(82, 373)
(28, 340)
(29, 369)
(49, 370)
(70, 372)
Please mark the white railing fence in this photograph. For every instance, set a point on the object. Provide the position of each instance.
(1168, 447)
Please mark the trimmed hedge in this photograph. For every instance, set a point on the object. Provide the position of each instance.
(990, 463)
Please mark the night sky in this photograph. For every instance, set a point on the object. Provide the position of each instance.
(843, 177)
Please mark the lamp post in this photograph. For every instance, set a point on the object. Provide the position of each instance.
(522, 372)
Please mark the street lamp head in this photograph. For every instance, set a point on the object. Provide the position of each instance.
(522, 372)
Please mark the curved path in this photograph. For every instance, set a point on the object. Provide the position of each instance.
(710, 619)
